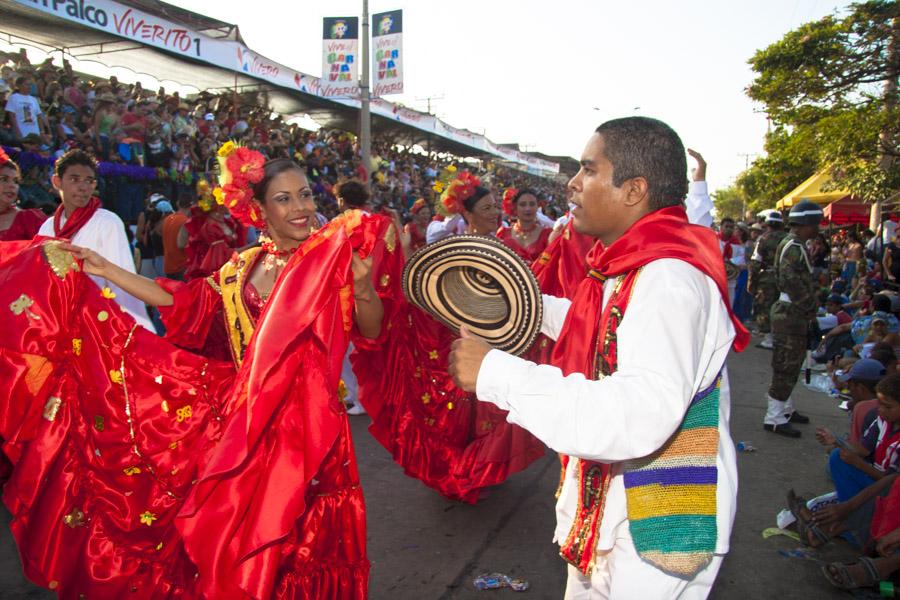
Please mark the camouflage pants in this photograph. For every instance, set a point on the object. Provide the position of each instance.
(763, 300)
(789, 352)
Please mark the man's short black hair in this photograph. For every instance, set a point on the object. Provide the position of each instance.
(881, 303)
(727, 220)
(72, 158)
(889, 387)
(648, 148)
(353, 192)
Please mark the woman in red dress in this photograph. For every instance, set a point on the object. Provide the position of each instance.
(415, 229)
(526, 236)
(219, 479)
(15, 223)
(438, 433)
(213, 237)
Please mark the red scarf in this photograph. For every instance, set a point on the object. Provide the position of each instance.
(76, 220)
(665, 233)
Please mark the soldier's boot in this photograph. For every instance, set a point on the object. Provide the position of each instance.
(776, 419)
(767, 342)
(794, 415)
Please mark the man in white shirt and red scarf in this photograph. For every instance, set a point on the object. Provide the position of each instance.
(80, 220)
(637, 397)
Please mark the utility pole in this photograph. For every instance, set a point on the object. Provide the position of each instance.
(747, 156)
(428, 99)
(365, 117)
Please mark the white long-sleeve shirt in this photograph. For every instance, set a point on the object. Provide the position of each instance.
(672, 343)
(104, 233)
(438, 230)
(698, 204)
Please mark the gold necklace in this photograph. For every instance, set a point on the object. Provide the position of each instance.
(522, 234)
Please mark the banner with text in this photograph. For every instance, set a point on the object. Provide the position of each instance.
(387, 50)
(340, 51)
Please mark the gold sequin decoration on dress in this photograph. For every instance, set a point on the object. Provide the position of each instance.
(52, 407)
(61, 261)
(22, 305)
(74, 519)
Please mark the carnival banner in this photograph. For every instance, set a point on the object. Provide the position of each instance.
(387, 42)
(340, 50)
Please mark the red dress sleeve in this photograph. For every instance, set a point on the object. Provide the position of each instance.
(194, 320)
(25, 226)
(387, 273)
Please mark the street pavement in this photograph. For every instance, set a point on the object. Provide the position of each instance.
(423, 547)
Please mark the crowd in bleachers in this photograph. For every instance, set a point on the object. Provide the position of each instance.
(50, 108)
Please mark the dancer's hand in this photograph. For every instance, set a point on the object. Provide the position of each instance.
(466, 356)
(93, 263)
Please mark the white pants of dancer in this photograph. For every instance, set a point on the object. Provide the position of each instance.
(620, 574)
(778, 412)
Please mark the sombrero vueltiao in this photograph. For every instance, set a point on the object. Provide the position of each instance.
(478, 282)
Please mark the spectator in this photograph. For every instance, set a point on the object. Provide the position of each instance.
(175, 239)
(24, 111)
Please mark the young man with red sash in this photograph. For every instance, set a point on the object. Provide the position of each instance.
(637, 397)
(80, 220)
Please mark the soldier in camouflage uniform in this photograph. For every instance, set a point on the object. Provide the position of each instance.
(761, 281)
(791, 316)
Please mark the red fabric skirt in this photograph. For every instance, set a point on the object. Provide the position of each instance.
(438, 433)
(108, 429)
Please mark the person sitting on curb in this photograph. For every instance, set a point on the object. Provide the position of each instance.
(870, 518)
(861, 381)
(856, 466)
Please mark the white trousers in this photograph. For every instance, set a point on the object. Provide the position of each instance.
(778, 412)
(620, 574)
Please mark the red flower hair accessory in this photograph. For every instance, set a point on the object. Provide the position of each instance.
(4, 158)
(458, 191)
(509, 201)
(417, 206)
(239, 169)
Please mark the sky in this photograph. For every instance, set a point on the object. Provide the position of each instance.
(545, 74)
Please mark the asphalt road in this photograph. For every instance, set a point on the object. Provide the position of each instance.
(423, 547)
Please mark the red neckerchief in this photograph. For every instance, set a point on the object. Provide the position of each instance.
(76, 220)
(665, 233)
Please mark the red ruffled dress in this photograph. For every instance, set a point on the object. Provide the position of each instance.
(142, 470)
(103, 423)
(25, 225)
(438, 433)
(323, 555)
(416, 237)
(527, 253)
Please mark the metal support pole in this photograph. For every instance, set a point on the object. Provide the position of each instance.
(365, 118)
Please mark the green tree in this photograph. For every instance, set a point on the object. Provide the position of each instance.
(730, 202)
(830, 90)
(790, 159)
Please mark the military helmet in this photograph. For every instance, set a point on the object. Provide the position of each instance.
(774, 217)
(806, 212)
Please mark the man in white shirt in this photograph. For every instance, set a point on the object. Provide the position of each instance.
(80, 220)
(25, 112)
(640, 352)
